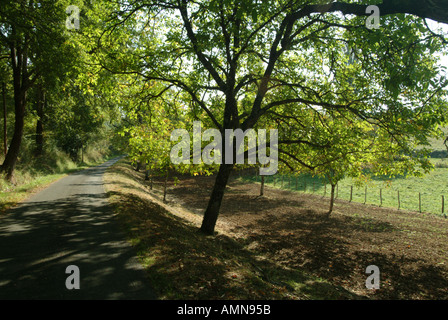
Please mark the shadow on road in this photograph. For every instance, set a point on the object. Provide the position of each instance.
(39, 239)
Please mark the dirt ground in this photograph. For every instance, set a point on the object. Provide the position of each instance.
(409, 248)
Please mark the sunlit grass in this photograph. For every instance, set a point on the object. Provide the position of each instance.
(10, 195)
(407, 193)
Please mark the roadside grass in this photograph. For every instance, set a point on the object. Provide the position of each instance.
(11, 195)
(406, 193)
(182, 263)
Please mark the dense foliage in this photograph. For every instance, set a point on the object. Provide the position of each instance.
(344, 97)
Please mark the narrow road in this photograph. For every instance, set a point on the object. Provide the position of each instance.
(69, 223)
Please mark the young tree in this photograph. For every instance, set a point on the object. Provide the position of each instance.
(253, 64)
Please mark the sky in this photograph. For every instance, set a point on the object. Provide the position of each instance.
(434, 26)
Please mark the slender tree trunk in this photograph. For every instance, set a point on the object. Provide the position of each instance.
(22, 82)
(39, 125)
(214, 204)
(262, 186)
(11, 157)
(333, 187)
(5, 131)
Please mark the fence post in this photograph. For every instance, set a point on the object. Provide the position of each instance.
(365, 195)
(381, 197)
(443, 204)
(351, 193)
(420, 202)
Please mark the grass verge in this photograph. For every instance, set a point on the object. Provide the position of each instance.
(182, 263)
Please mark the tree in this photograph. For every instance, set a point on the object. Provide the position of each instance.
(33, 34)
(254, 64)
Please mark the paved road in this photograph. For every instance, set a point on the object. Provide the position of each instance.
(69, 223)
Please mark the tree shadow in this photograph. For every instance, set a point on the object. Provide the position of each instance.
(331, 249)
(193, 266)
(300, 239)
(38, 240)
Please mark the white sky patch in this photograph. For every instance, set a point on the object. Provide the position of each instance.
(442, 29)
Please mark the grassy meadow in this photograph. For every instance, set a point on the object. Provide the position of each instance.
(405, 193)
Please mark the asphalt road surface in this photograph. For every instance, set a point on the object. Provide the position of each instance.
(69, 223)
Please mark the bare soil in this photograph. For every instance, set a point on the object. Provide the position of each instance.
(410, 248)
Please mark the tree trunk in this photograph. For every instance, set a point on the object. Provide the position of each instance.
(39, 125)
(22, 82)
(214, 204)
(5, 131)
(333, 187)
(262, 186)
(9, 164)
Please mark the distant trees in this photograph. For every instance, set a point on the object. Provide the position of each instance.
(40, 59)
(31, 34)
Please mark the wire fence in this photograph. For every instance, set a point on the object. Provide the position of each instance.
(402, 197)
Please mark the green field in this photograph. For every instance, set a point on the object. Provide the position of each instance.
(431, 188)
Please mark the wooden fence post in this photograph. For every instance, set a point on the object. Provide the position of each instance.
(420, 202)
(381, 197)
(365, 195)
(351, 193)
(443, 204)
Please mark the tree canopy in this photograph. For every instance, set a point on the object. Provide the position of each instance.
(311, 69)
(344, 97)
